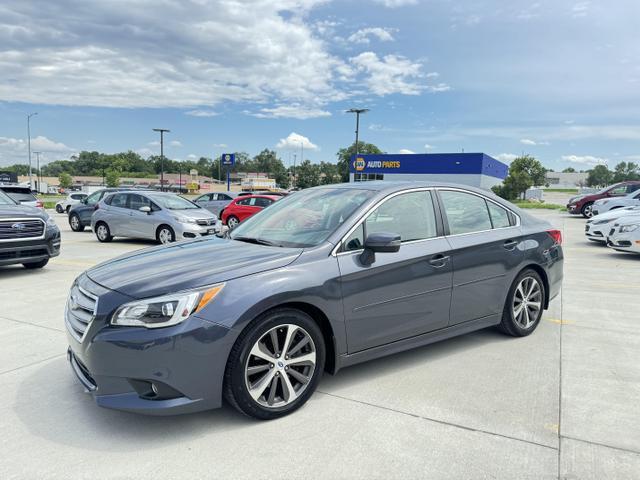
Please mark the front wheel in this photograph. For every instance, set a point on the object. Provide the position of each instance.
(275, 365)
(232, 222)
(103, 233)
(59, 209)
(75, 223)
(587, 210)
(524, 305)
(165, 235)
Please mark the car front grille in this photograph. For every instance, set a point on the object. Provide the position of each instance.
(21, 229)
(206, 221)
(80, 311)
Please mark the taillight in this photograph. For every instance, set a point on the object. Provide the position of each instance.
(556, 235)
(39, 204)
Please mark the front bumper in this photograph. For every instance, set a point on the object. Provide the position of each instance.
(573, 208)
(623, 242)
(26, 251)
(189, 231)
(595, 232)
(163, 371)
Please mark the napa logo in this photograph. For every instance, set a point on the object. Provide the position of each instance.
(359, 164)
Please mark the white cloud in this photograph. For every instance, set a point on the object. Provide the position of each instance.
(405, 151)
(145, 152)
(295, 140)
(201, 113)
(192, 156)
(580, 9)
(15, 150)
(528, 141)
(585, 159)
(362, 35)
(428, 147)
(291, 111)
(506, 157)
(440, 87)
(396, 3)
(175, 143)
(390, 74)
(432, 75)
(155, 143)
(219, 145)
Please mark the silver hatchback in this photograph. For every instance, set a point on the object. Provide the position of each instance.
(165, 217)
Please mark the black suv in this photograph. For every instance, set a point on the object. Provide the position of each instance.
(27, 234)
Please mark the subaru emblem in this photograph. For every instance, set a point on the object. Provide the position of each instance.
(18, 226)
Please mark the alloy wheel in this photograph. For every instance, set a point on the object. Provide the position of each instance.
(280, 366)
(588, 211)
(527, 302)
(165, 236)
(74, 223)
(232, 222)
(102, 232)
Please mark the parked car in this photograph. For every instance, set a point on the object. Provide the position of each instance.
(583, 204)
(27, 234)
(215, 202)
(606, 204)
(79, 215)
(162, 216)
(72, 199)
(258, 317)
(22, 195)
(598, 227)
(241, 208)
(624, 236)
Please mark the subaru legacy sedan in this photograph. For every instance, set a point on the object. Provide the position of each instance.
(323, 279)
(164, 217)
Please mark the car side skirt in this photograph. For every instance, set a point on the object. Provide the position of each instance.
(417, 341)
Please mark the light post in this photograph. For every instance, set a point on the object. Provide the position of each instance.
(29, 144)
(357, 111)
(162, 132)
(293, 182)
(39, 178)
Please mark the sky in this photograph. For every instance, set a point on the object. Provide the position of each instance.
(559, 80)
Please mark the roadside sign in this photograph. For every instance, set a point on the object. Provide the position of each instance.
(228, 159)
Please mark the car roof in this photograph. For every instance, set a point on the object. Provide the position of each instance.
(259, 195)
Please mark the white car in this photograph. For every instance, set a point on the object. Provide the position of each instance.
(607, 204)
(72, 199)
(625, 235)
(599, 226)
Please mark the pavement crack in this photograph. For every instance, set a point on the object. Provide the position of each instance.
(33, 363)
(589, 442)
(24, 322)
(441, 422)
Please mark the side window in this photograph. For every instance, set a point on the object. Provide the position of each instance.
(465, 212)
(222, 196)
(262, 202)
(633, 187)
(77, 196)
(355, 241)
(411, 215)
(137, 201)
(499, 216)
(244, 201)
(119, 200)
(621, 190)
(94, 198)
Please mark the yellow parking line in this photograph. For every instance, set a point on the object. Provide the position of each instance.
(75, 263)
(560, 322)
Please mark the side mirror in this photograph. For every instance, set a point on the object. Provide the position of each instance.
(83, 201)
(145, 209)
(381, 242)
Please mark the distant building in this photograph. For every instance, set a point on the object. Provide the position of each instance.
(473, 169)
(566, 180)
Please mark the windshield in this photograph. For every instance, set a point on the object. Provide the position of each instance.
(172, 202)
(21, 196)
(5, 199)
(304, 219)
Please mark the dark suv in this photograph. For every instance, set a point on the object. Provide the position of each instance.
(583, 204)
(80, 214)
(27, 234)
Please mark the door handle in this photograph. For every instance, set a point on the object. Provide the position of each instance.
(439, 261)
(510, 244)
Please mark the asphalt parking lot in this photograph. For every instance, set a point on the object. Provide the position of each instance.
(561, 403)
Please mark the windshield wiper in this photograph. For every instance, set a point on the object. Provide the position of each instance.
(257, 241)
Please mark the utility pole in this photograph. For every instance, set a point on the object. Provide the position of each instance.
(39, 178)
(293, 182)
(357, 111)
(162, 132)
(29, 144)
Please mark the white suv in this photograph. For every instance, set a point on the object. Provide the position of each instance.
(63, 206)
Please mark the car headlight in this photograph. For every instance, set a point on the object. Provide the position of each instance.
(164, 311)
(51, 223)
(629, 228)
(603, 221)
(185, 219)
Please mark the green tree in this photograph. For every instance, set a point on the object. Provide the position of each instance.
(599, 176)
(344, 157)
(569, 170)
(626, 171)
(112, 178)
(307, 174)
(66, 181)
(524, 172)
(329, 173)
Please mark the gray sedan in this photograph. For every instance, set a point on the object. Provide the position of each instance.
(215, 202)
(165, 217)
(323, 279)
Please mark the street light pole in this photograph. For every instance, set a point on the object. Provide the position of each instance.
(162, 132)
(38, 170)
(357, 111)
(293, 183)
(29, 144)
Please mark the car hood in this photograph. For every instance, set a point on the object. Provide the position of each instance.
(576, 198)
(186, 265)
(197, 213)
(10, 211)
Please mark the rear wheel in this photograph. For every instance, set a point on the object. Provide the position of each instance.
(232, 222)
(59, 209)
(587, 210)
(275, 365)
(35, 265)
(75, 223)
(165, 234)
(103, 233)
(525, 304)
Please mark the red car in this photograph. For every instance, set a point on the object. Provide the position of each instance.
(583, 204)
(243, 207)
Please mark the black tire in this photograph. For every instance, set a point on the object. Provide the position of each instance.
(165, 232)
(232, 222)
(67, 209)
(586, 210)
(235, 389)
(59, 209)
(103, 237)
(75, 223)
(35, 265)
(509, 325)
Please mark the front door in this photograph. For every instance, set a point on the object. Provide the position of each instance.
(400, 294)
(141, 223)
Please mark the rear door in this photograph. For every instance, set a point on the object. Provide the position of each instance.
(401, 294)
(486, 249)
(117, 215)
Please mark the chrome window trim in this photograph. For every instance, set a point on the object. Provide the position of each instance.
(18, 219)
(365, 215)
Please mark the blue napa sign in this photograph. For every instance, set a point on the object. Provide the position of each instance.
(228, 159)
